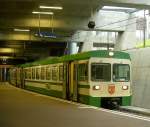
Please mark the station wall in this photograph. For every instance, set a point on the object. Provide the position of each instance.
(141, 77)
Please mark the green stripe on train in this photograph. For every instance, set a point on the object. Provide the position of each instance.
(94, 101)
(126, 101)
(79, 56)
(44, 91)
(45, 82)
(89, 100)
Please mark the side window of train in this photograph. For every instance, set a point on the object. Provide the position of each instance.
(33, 73)
(17, 73)
(61, 73)
(26, 73)
(48, 73)
(29, 73)
(54, 73)
(43, 74)
(37, 73)
(83, 72)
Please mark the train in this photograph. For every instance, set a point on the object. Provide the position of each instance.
(98, 78)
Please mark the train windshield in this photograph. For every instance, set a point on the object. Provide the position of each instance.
(100, 72)
(121, 72)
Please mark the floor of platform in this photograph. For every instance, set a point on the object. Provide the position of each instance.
(137, 110)
(20, 108)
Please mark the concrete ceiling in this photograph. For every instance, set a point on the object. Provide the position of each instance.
(18, 14)
(74, 16)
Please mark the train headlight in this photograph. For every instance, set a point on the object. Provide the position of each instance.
(111, 53)
(96, 87)
(125, 87)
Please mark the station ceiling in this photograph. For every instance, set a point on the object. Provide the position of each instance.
(75, 15)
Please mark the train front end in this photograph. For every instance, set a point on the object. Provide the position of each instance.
(110, 81)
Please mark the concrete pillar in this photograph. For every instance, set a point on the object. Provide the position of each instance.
(104, 21)
(88, 41)
(127, 39)
(72, 47)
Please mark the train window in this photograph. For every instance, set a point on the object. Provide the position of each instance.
(61, 73)
(33, 73)
(48, 73)
(101, 72)
(43, 72)
(29, 73)
(37, 73)
(26, 73)
(18, 74)
(54, 73)
(83, 72)
(121, 72)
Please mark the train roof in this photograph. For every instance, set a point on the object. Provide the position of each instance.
(80, 56)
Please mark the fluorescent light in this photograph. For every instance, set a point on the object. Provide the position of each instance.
(6, 50)
(22, 30)
(51, 7)
(121, 8)
(4, 57)
(44, 13)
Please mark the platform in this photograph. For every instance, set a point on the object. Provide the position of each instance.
(137, 110)
(20, 108)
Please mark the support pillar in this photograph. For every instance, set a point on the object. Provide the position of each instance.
(72, 48)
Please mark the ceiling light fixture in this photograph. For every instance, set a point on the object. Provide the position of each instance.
(22, 30)
(121, 8)
(44, 13)
(5, 57)
(7, 50)
(51, 7)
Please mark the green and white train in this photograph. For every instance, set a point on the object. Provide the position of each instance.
(98, 78)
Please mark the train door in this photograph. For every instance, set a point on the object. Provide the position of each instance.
(66, 81)
(1, 75)
(22, 78)
(74, 81)
(4, 74)
(71, 81)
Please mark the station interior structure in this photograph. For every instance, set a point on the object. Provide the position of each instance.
(27, 35)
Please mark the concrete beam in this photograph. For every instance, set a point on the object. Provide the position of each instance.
(70, 23)
(66, 26)
(67, 23)
(141, 2)
(144, 4)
